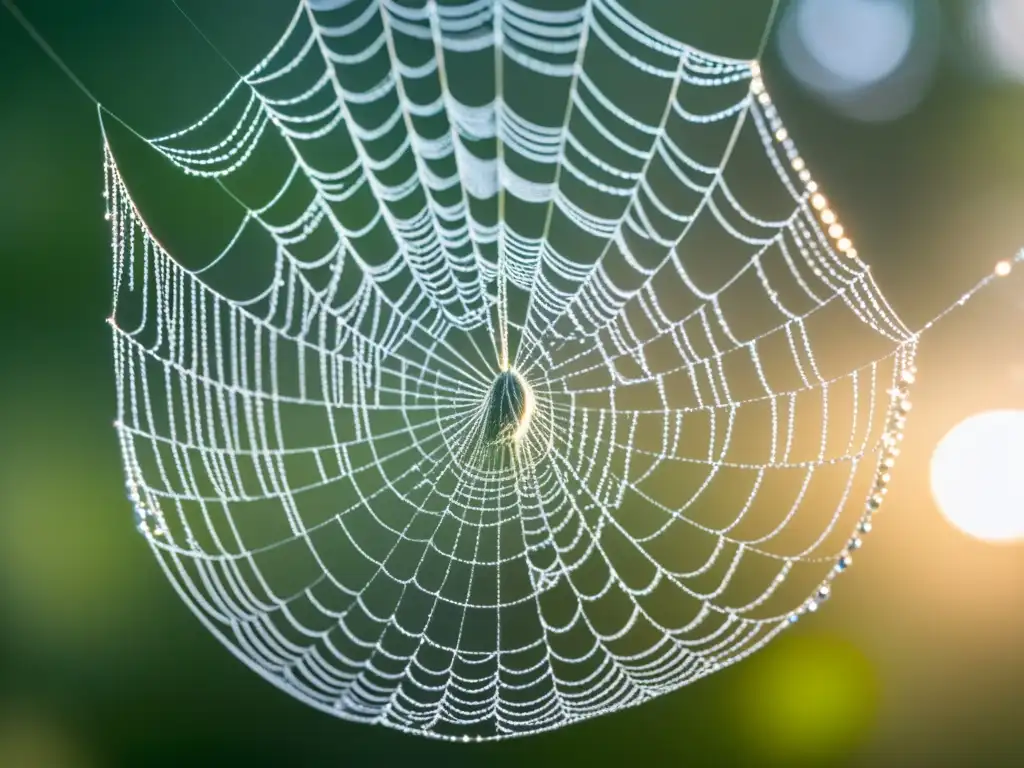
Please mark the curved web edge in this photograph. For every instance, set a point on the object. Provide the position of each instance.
(355, 327)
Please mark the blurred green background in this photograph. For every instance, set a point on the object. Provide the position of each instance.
(917, 662)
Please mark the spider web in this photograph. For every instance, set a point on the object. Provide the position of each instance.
(433, 196)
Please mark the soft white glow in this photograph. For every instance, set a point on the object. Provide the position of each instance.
(859, 42)
(870, 59)
(977, 476)
(999, 29)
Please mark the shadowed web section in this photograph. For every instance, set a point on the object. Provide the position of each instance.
(553, 384)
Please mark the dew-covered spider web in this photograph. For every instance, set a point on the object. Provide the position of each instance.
(539, 379)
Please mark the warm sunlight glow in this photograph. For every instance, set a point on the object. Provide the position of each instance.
(977, 476)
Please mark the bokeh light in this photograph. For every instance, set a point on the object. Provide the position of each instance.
(977, 477)
(808, 697)
(998, 32)
(830, 30)
(869, 59)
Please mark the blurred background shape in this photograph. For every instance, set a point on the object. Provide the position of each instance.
(30, 739)
(812, 698)
(997, 28)
(872, 60)
(977, 476)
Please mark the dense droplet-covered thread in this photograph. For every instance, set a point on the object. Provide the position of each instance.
(447, 266)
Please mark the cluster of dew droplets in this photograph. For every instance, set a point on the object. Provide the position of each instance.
(889, 450)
